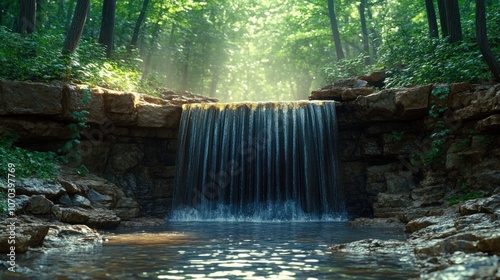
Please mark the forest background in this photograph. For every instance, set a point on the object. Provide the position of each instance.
(239, 50)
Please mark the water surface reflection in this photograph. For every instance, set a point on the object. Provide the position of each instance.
(211, 250)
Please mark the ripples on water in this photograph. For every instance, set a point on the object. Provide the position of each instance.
(222, 250)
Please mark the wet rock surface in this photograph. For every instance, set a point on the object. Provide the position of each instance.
(463, 243)
(180, 98)
(142, 222)
(34, 233)
(376, 222)
(64, 209)
(131, 140)
(64, 236)
(407, 153)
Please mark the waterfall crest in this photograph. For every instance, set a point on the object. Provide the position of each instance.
(258, 162)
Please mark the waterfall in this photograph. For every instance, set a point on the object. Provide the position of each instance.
(258, 161)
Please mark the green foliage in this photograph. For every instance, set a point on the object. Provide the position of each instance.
(397, 135)
(486, 140)
(431, 155)
(347, 68)
(37, 57)
(412, 59)
(462, 144)
(464, 194)
(438, 136)
(244, 50)
(28, 163)
(81, 170)
(436, 111)
(441, 91)
(77, 128)
(70, 149)
(436, 153)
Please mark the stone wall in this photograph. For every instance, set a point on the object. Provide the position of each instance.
(391, 165)
(131, 138)
(408, 152)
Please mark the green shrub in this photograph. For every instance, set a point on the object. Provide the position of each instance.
(397, 136)
(37, 57)
(464, 194)
(28, 163)
(34, 57)
(347, 68)
(418, 59)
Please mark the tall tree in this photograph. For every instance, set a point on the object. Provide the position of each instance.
(107, 32)
(364, 31)
(76, 28)
(335, 30)
(152, 46)
(137, 28)
(374, 34)
(431, 18)
(443, 21)
(453, 20)
(482, 40)
(27, 16)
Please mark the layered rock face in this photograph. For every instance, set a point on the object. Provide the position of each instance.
(130, 140)
(462, 243)
(408, 153)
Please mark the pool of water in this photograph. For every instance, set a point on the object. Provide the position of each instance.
(222, 250)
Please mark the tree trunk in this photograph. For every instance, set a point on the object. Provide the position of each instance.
(443, 19)
(482, 40)
(453, 20)
(169, 63)
(137, 28)
(107, 32)
(375, 38)
(335, 30)
(27, 16)
(75, 30)
(364, 31)
(39, 13)
(347, 47)
(152, 48)
(431, 18)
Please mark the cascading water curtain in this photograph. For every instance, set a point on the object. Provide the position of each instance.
(258, 162)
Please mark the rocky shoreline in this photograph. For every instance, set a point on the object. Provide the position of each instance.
(67, 212)
(462, 243)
